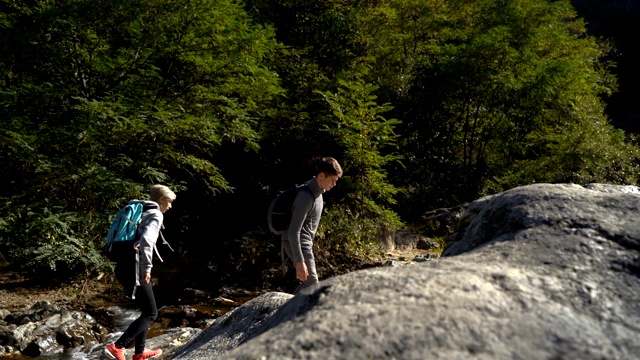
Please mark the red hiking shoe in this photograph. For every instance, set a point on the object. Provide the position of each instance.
(112, 352)
(147, 354)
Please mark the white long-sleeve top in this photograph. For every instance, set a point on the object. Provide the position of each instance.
(148, 232)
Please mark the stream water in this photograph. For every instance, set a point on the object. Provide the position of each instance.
(123, 317)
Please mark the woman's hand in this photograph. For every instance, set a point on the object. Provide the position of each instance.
(144, 280)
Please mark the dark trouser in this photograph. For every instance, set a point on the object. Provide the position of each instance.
(138, 329)
(309, 260)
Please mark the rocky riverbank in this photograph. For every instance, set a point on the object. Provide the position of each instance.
(43, 319)
(538, 272)
(20, 289)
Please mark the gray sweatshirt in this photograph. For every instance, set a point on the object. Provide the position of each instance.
(306, 212)
(148, 232)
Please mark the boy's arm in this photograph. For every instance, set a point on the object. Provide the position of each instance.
(301, 207)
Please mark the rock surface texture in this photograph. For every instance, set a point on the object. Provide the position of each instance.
(231, 329)
(537, 272)
(45, 328)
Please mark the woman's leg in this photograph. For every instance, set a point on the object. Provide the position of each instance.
(139, 327)
(147, 303)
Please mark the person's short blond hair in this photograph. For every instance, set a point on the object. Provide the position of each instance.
(158, 191)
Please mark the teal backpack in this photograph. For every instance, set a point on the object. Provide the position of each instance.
(122, 232)
(122, 236)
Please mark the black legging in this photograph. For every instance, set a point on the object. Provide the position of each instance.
(138, 329)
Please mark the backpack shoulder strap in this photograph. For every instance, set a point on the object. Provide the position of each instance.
(164, 241)
(308, 190)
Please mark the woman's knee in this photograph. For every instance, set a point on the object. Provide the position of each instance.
(152, 316)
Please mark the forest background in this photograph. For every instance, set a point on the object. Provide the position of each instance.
(426, 104)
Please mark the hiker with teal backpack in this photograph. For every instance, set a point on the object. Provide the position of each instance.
(297, 239)
(142, 219)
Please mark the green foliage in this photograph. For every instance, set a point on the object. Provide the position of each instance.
(107, 97)
(367, 143)
(495, 88)
(255, 258)
(102, 98)
(346, 240)
(51, 246)
(487, 91)
(616, 22)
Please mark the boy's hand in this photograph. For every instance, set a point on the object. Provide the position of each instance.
(301, 271)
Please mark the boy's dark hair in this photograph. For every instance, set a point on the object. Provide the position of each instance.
(329, 166)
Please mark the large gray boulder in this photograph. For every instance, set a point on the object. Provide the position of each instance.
(538, 272)
(233, 328)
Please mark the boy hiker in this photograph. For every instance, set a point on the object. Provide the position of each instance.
(137, 279)
(297, 240)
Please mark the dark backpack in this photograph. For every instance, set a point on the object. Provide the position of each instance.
(279, 214)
